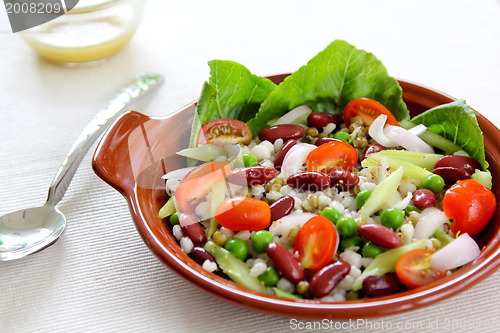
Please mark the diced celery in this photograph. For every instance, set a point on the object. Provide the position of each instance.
(410, 170)
(167, 209)
(386, 262)
(235, 268)
(218, 196)
(205, 153)
(434, 139)
(281, 293)
(484, 177)
(382, 193)
(423, 160)
(443, 237)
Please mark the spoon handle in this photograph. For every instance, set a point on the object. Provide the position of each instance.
(94, 129)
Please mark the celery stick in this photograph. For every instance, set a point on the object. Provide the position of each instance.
(382, 193)
(281, 293)
(434, 139)
(218, 196)
(423, 160)
(410, 170)
(167, 209)
(484, 177)
(235, 268)
(205, 153)
(386, 262)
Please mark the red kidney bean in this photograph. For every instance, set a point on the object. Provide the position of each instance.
(424, 198)
(309, 180)
(326, 139)
(191, 228)
(281, 207)
(380, 235)
(200, 255)
(278, 160)
(285, 132)
(249, 176)
(320, 119)
(451, 175)
(343, 179)
(285, 263)
(381, 285)
(323, 282)
(460, 162)
(372, 148)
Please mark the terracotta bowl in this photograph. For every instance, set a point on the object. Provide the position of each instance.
(137, 150)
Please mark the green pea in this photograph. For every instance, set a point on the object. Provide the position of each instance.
(392, 218)
(260, 240)
(409, 209)
(331, 213)
(249, 160)
(370, 250)
(237, 247)
(347, 227)
(362, 197)
(270, 276)
(344, 136)
(174, 218)
(351, 242)
(433, 182)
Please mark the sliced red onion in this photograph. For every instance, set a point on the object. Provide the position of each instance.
(457, 253)
(418, 130)
(376, 131)
(174, 177)
(295, 158)
(430, 219)
(294, 116)
(407, 139)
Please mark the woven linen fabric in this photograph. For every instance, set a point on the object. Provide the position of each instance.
(100, 276)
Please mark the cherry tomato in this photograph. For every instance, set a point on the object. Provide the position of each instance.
(332, 155)
(243, 213)
(316, 243)
(414, 269)
(469, 206)
(224, 130)
(198, 183)
(368, 110)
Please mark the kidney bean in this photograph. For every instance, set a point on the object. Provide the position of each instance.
(424, 198)
(278, 160)
(343, 179)
(460, 162)
(326, 139)
(285, 132)
(372, 148)
(381, 285)
(200, 255)
(191, 228)
(320, 119)
(249, 176)
(281, 207)
(284, 262)
(380, 235)
(323, 282)
(451, 175)
(309, 180)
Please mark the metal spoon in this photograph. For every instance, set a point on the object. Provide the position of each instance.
(31, 230)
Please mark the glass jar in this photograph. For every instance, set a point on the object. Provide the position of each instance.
(89, 33)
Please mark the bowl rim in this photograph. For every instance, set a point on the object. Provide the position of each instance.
(181, 264)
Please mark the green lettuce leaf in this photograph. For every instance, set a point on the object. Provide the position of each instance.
(456, 122)
(329, 81)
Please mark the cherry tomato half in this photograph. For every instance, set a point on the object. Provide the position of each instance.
(243, 213)
(332, 155)
(316, 243)
(368, 109)
(414, 268)
(224, 130)
(198, 183)
(469, 206)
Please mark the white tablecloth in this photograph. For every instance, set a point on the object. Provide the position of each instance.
(100, 277)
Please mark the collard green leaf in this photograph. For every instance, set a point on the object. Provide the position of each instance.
(456, 122)
(329, 81)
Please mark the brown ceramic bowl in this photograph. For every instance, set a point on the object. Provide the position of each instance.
(137, 150)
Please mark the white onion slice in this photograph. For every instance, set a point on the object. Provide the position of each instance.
(418, 130)
(174, 177)
(295, 158)
(376, 131)
(457, 253)
(284, 225)
(407, 140)
(291, 117)
(430, 219)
